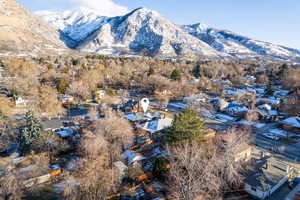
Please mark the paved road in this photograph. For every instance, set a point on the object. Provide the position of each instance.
(289, 150)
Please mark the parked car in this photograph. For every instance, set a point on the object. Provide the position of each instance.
(271, 136)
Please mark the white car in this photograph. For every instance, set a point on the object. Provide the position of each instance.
(271, 136)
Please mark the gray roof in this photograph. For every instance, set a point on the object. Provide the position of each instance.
(52, 124)
(266, 174)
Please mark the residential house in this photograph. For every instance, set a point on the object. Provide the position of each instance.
(50, 125)
(100, 94)
(156, 125)
(141, 117)
(176, 107)
(243, 152)
(236, 109)
(291, 124)
(267, 112)
(265, 177)
(294, 194)
(132, 156)
(66, 99)
(164, 93)
(19, 101)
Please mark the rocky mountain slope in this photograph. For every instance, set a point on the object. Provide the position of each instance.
(141, 31)
(238, 45)
(20, 30)
(144, 31)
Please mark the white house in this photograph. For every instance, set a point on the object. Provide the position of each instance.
(243, 152)
(157, 125)
(100, 94)
(20, 101)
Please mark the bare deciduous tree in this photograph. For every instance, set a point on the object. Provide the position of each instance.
(24, 76)
(92, 183)
(192, 173)
(6, 107)
(49, 103)
(116, 130)
(94, 146)
(96, 179)
(10, 187)
(205, 171)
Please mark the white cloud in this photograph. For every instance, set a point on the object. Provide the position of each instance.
(104, 7)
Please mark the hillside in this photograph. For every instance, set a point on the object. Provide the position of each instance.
(21, 30)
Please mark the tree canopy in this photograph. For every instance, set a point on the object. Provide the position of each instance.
(176, 74)
(187, 127)
(31, 132)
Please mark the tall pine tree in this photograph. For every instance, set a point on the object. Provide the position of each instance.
(197, 71)
(31, 132)
(187, 127)
(176, 74)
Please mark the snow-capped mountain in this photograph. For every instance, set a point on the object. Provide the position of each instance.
(140, 31)
(77, 24)
(238, 45)
(144, 31)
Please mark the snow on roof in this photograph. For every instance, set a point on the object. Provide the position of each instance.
(205, 114)
(273, 112)
(259, 125)
(265, 107)
(248, 123)
(132, 156)
(178, 105)
(271, 100)
(236, 108)
(280, 132)
(232, 92)
(131, 117)
(292, 121)
(224, 117)
(281, 93)
(195, 98)
(157, 125)
(135, 117)
(64, 132)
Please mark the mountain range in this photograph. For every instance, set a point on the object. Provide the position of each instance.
(140, 32)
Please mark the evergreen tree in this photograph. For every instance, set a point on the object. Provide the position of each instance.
(31, 132)
(176, 74)
(160, 168)
(151, 71)
(284, 72)
(41, 60)
(186, 127)
(62, 85)
(197, 71)
(76, 61)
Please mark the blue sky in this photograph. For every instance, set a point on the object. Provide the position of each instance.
(276, 21)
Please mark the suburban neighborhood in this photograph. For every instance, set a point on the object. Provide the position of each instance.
(64, 137)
